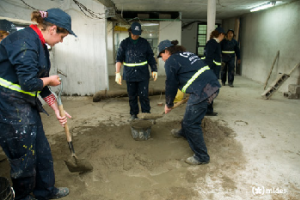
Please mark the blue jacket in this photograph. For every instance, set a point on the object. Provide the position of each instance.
(230, 46)
(180, 68)
(212, 52)
(23, 61)
(130, 53)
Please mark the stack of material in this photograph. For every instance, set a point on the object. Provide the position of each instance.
(293, 92)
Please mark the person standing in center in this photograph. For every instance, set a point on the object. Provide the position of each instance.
(213, 58)
(135, 54)
(230, 48)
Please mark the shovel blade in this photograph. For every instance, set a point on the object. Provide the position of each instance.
(78, 165)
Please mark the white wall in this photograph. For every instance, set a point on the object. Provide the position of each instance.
(190, 37)
(190, 34)
(110, 48)
(82, 59)
(168, 30)
(263, 34)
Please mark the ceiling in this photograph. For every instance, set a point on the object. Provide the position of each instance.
(193, 9)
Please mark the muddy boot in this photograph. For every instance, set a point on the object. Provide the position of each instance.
(192, 161)
(61, 192)
(211, 114)
(176, 133)
(132, 118)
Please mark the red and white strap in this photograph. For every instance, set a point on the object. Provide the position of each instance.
(50, 99)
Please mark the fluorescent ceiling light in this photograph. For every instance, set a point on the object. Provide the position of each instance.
(150, 24)
(263, 6)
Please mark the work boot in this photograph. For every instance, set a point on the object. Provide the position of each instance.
(132, 118)
(61, 192)
(230, 84)
(211, 114)
(29, 197)
(192, 161)
(176, 133)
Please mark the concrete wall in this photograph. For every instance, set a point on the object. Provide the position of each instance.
(170, 30)
(263, 34)
(190, 34)
(190, 37)
(83, 59)
(111, 48)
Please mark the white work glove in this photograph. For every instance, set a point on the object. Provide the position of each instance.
(118, 78)
(154, 75)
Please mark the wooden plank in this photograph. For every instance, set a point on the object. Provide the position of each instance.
(277, 83)
(266, 83)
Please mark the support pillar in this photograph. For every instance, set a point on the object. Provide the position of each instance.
(211, 17)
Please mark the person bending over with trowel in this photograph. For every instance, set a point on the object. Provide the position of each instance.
(187, 72)
(24, 73)
(135, 54)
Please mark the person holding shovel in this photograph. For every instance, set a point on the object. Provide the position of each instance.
(135, 54)
(187, 72)
(24, 74)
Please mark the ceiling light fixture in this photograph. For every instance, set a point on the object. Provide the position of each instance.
(263, 6)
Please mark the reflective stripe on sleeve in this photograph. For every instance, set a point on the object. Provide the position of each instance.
(15, 87)
(228, 51)
(217, 63)
(200, 71)
(135, 64)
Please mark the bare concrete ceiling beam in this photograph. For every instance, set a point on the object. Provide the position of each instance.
(111, 4)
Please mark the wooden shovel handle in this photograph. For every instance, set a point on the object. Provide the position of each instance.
(62, 113)
(178, 104)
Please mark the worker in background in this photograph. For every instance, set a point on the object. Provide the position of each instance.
(230, 49)
(213, 58)
(187, 72)
(3, 34)
(24, 74)
(136, 55)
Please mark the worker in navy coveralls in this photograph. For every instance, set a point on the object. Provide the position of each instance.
(230, 49)
(24, 74)
(187, 72)
(135, 54)
(213, 58)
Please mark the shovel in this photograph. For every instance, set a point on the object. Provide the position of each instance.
(156, 116)
(74, 164)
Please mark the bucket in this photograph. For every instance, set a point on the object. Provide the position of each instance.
(6, 192)
(141, 129)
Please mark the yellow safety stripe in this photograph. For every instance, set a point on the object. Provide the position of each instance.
(200, 71)
(228, 51)
(15, 87)
(203, 58)
(217, 63)
(135, 64)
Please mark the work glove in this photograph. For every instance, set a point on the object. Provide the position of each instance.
(154, 75)
(118, 78)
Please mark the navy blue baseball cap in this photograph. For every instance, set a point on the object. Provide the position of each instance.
(136, 28)
(230, 30)
(60, 18)
(163, 45)
(220, 30)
